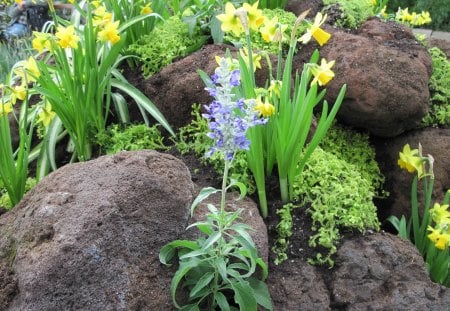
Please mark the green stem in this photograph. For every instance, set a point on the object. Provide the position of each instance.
(224, 185)
(284, 190)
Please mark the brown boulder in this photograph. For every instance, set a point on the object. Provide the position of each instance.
(386, 71)
(384, 272)
(87, 237)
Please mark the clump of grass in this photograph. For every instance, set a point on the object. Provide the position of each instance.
(11, 53)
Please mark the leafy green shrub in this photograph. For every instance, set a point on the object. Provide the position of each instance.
(167, 41)
(439, 114)
(193, 138)
(340, 198)
(354, 12)
(134, 137)
(354, 148)
(258, 43)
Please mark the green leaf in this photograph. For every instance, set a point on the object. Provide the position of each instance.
(222, 301)
(241, 186)
(191, 307)
(184, 268)
(194, 253)
(143, 102)
(212, 239)
(244, 296)
(168, 251)
(204, 281)
(262, 294)
(204, 193)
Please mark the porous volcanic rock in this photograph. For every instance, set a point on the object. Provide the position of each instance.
(87, 237)
(435, 142)
(384, 272)
(386, 71)
(296, 285)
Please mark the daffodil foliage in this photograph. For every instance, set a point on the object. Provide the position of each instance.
(430, 230)
(76, 71)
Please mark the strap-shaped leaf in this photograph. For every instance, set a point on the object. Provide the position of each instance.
(222, 301)
(184, 268)
(204, 193)
(168, 251)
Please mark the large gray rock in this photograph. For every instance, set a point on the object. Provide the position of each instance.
(88, 236)
(386, 71)
(384, 272)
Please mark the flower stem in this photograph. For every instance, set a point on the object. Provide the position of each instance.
(224, 185)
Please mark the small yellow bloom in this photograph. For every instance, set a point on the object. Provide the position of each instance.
(146, 9)
(410, 160)
(255, 17)
(19, 92)
(230, 22)
(270, 32)
(67, 37)
(110, 33)
(5, 109)
(440, 239)
(96, 3)
(41, 41)
(71, 1)
(275, 87)
(314, 30)
(27, 70)
(323, 73)
(46, 115)
(440, 214)
(256, 58)
(265, 109)
(101, 16)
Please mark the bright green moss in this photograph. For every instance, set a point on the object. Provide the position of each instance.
(5, 201)
(339, 197)
(134, 137)
(354, 12)
(439, 84)
(167, 41)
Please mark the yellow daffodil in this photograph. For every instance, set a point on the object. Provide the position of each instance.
(265, 108)
(101, 17)
(96, 3)
(440, 239)
(230, 22)
(314, 30)
(19, 92)
(232, 62)
(67, 37)
(41, 41)
(270, 32)
(256, 58)
(71, 1)
(275, 87)
(411, 160)
(146, 9)
(46, 115)
(110, 33)
(255, 17)
(27, 70)
(440, 214)
(323, 73)
(5, 109)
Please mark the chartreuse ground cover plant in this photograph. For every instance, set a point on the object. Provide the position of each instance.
(439, 84)
(120, 137)
(77, 71)
(429, 225)
(224, 260)
(166, 42)
(337, 186)
(290, 115)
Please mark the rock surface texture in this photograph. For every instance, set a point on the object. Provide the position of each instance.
(88, 236)
(386, 71)
(384, 272)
